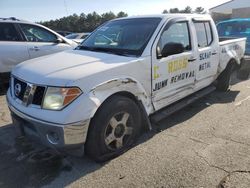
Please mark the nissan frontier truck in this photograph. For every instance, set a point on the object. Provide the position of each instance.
(129, 73)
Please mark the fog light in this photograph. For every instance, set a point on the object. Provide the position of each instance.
(53, 138)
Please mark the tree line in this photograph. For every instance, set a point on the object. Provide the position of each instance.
(188, 9)
(82, 23)
(87, 23)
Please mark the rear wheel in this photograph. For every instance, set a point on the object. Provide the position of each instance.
(224, 79)
(114, 129)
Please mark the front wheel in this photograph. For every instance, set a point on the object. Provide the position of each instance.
(114, 128)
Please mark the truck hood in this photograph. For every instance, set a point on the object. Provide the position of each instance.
(63, 68)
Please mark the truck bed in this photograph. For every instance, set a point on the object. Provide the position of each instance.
(221, 39)
(231, 48)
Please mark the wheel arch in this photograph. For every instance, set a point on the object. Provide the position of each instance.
(126, 87)
(232, 61)
(146, 124)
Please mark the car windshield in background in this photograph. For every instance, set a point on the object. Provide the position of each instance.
(126, 37)
(84, 36)
(236, 28)
(72, 36)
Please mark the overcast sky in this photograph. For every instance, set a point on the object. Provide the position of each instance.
(41, 10)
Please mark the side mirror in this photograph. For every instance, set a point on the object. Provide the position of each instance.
(59, 40)
(171, 49)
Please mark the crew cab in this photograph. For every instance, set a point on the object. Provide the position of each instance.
(22, 40)
(127, 72)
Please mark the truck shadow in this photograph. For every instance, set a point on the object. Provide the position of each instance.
(27, 164)
(190, 111)
(235, 80)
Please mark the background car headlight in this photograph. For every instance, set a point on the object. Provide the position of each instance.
(57, 98)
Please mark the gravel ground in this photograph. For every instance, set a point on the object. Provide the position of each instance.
(204, 145)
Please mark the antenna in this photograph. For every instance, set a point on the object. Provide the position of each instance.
(66, 7)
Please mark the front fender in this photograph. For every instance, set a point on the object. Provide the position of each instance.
(102, 91)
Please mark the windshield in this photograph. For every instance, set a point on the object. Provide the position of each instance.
(122, 37)
(84, 36)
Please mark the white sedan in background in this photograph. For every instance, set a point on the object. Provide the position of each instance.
(77, 37)
(22, 40)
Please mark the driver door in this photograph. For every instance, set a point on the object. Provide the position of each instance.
(173, 71)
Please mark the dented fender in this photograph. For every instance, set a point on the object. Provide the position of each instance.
(231, 50)
(102, 91)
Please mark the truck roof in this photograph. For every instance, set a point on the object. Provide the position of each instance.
(166, 16)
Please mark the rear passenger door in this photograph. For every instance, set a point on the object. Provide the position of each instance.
(13, 48)
(40, 41)
(208, 53)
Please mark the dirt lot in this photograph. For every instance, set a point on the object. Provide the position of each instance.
(204, 145)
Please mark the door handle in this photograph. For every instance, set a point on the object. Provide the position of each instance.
(192, 59)
(214, 53)
(35, 48)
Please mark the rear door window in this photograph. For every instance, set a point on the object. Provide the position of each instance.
(8, 32)
(209, 33)
(204, 34)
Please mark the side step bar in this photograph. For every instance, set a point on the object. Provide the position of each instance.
(167, 111)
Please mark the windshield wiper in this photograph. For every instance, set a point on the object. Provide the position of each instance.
(107, 50)
(122, 53)
(86, 48)
(95, 49)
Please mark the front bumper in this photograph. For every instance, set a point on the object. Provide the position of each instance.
(70, 136)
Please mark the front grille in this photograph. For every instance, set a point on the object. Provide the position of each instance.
(28, 93)
(38, 96)
(19, 88)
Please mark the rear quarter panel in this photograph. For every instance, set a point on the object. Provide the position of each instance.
(231, 49)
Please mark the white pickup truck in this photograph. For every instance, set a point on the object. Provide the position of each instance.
(128, 73)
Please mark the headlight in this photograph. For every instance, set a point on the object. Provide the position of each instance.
(57, 98)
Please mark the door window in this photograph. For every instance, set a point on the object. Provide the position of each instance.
(37, 34)
(8, 32)
(176, 33)
(204, 34)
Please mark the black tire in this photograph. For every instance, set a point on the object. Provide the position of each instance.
(224, 79)
(108, 130)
